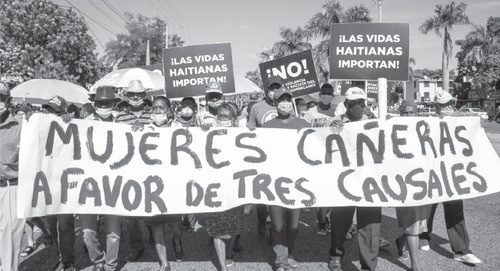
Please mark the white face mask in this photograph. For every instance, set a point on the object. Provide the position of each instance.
(326, 99)
(224, 123)
(134, 103)
(2, 107)
(187, 112)
(159, 119)
(104, 112)
(285, 108)
(115, 113)
(214, 104)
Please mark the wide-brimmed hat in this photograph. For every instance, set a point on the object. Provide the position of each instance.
(105, 93)
(135, 86)
(442, 97)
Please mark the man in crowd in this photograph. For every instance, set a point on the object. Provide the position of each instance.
(137, 117)
(207, 116)
(368, 218)
(321, 116)
(11, 227)
(453, 210)
(260, 113)
(104, 101)
(284, 221)
(61, 227)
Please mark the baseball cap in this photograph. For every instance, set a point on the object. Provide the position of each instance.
(282, 91)
(135, 86)
(57, 103)
(355, 93)
(213, 87)
(274, 80)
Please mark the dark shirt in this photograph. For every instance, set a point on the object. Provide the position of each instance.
(291, 123)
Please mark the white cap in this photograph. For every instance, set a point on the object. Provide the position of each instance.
(355, 93)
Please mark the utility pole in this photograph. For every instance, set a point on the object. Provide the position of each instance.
(166, 36)
(379, 11)
(147, 53)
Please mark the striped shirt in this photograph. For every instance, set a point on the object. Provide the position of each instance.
(141, 116)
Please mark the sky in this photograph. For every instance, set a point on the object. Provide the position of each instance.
(253, 25)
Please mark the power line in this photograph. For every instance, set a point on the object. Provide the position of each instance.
(81, 12)
(180, 17)
(160, 13)
(114, 10)
(90, 28)
(106, 15)
(171, 15)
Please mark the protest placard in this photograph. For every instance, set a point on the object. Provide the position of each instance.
(105, 168)
(296, 71)
(368, 51)
(188, 69)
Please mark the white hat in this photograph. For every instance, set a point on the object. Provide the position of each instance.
(355, 93)
(135, 86)
(442, 97)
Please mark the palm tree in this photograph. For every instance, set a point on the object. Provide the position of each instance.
(318, 26)
(292, 41)
(443, 21)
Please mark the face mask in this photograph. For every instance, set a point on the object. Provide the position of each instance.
(187, 112)
(224, 123)
(104, 112)
(214, 104)
(285, 108)
(159, 119)
(355, 112)
(135, 103)
(19, 117)
(326, 99)
(115, 113)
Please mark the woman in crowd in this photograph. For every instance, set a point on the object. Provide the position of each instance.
(227, 225)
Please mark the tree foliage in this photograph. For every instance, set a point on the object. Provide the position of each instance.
(129, 49)
(39, 39)
(479, 55)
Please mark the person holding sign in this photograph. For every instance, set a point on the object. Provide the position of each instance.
(413, 220)
(453, 210)
(104, 100)
(260, 113)
(226, 225)
(284, 221)
(187, 115)
(322, 115)
(368, 218)
(159, 223)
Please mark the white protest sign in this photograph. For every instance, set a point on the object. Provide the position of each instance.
(105, 168)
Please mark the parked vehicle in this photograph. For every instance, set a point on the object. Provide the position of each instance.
(476, 111)
(427, 112)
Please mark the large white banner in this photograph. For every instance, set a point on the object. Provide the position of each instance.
(105, 168)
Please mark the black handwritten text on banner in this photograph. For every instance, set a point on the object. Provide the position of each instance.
(369, 51)
(188, 69)
(296, 71)
(105, 168)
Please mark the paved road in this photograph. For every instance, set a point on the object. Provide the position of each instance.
(482, 218)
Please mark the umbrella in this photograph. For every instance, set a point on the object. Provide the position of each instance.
(243, 85)
(40, 91)
(120, 79)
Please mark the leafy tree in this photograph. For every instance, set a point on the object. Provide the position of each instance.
(479, 56)
(444, 19)
(129, 49)
(39, 39)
